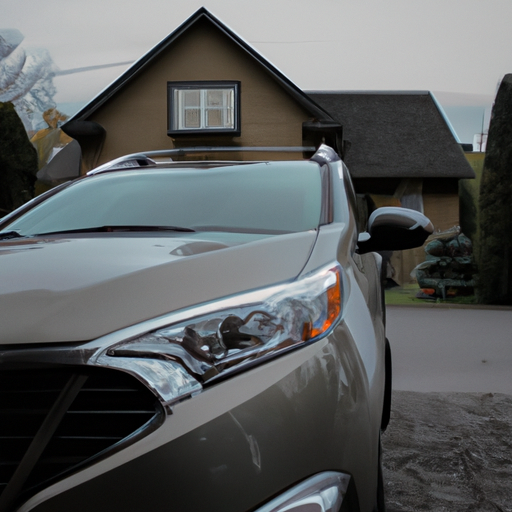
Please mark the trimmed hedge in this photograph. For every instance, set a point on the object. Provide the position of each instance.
(495, 203)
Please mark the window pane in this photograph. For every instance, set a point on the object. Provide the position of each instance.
(215, 97)
(192, 118)
(191, 98)
(214, 118)
(228, 118)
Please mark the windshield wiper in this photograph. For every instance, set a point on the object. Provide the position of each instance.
(117, 229)
(7, 235)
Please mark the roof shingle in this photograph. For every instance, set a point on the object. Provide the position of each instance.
(395, 135)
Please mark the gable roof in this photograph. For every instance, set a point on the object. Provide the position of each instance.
(401, 134)
(202, 14)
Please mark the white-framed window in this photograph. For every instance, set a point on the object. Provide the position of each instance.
(196, 107)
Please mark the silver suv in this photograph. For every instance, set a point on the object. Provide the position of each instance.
(196, 335)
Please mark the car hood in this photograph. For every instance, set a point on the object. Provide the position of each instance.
(79, 288)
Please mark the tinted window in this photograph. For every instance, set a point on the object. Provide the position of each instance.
(262, 197)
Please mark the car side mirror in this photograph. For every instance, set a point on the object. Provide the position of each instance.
(394, 229)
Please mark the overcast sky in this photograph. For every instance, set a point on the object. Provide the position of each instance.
(458, 49)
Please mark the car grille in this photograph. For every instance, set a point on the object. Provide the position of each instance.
(54, 421)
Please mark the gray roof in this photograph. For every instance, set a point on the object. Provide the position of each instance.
(395, 134)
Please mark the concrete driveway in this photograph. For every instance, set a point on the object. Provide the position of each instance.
(448, 447)
(451, 349)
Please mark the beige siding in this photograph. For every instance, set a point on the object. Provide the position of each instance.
(443, 211)
(135, 118)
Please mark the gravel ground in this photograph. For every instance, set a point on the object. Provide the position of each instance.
(449, 452)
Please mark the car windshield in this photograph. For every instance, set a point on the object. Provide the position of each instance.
(277, 197)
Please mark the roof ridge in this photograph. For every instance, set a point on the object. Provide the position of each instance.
(202, 13)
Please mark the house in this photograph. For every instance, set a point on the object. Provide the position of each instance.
(402, 152)
(401, 145)
(203, 85)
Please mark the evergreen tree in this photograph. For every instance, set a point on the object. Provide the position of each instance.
(495, 264)
(18, 161)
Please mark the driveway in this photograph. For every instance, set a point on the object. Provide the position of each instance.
(449, 443)
(451, 349)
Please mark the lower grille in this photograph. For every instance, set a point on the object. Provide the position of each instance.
(54, 421)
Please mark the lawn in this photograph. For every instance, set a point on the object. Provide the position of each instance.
(406, 295)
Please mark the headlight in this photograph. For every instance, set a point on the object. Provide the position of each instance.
(323, 492)
(176, 360)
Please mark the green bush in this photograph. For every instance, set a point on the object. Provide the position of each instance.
(18, 161)
(495, 202)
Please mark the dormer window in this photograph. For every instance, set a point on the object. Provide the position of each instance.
(203, 107)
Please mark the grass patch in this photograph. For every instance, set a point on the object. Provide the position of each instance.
(399, 296)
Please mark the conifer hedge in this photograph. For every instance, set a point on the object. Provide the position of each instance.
(18, 161)
(495, 202)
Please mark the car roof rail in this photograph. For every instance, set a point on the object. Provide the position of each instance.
(146, 158)
(134, 160)
(227, 149)
(325, 154)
